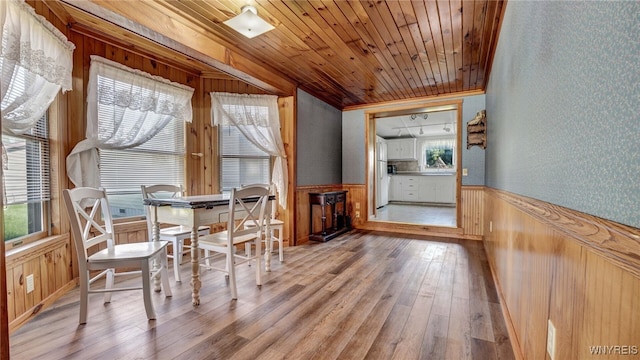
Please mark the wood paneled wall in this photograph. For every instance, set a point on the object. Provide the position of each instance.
(355, 195)
(472, 203)
(579, 271)
(50, 264)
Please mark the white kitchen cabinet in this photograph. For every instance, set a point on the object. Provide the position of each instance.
(423, 188)
(412, 189)
(401, 149)
(395, 188)
(445, 189)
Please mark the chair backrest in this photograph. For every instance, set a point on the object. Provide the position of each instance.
(248, 210)
(85, 206)
(158, 192)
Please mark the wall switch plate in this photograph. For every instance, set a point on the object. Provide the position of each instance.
(357, 214)
(30, 285)
(357, 206)
(551, 340)
(465, 172)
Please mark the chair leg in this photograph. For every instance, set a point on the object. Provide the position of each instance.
(279, 240)
(177, 259)
(258, 243)
(280, 250)
(231, 268)
(207, 260)
(180, 243)
(272, 235)
(84, 295)
(146, 290)
(109, 284)
(164, 273)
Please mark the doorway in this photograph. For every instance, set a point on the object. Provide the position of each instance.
(414, 157)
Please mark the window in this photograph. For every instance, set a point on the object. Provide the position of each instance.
(135, 134)
(242, 163)
(439, 154)
(26, 181)
(158, 161)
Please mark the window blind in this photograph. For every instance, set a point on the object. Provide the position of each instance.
(157, 161)
(26, 165)
(242, 162)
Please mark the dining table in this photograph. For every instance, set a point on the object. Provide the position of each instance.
(193, 212)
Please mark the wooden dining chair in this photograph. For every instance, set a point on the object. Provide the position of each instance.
(175, 234)
(96, 250)
(276, 227)
(247, 205)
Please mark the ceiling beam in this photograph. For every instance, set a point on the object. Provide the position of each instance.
(159, 27)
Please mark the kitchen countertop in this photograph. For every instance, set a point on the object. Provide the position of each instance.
(423, 173)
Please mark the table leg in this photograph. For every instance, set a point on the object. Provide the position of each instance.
(195, 267)
(267, 249)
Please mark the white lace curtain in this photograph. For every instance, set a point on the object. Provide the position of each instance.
(125, 108)
(257, 118)
(36, 62)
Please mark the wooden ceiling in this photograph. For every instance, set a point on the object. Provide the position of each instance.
(346, 53)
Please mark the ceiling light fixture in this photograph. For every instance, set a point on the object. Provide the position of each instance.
(248, 23)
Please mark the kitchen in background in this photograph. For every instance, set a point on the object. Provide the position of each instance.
(417, 183)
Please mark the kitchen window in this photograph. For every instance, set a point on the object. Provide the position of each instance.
(439, 154)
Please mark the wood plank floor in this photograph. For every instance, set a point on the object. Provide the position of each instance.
(363, 295)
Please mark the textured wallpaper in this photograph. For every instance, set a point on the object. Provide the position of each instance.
(473, 158)
(563, 106)
(319, 138)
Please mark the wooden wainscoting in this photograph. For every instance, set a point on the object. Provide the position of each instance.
(354, 194)
(356, 201)
(579, 271)
(471, 222)
(49, 261)
(472, 204)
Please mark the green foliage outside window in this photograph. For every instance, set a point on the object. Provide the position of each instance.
(440, 157)
(15, 221)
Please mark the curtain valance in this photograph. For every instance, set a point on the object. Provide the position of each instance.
(36, 61)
